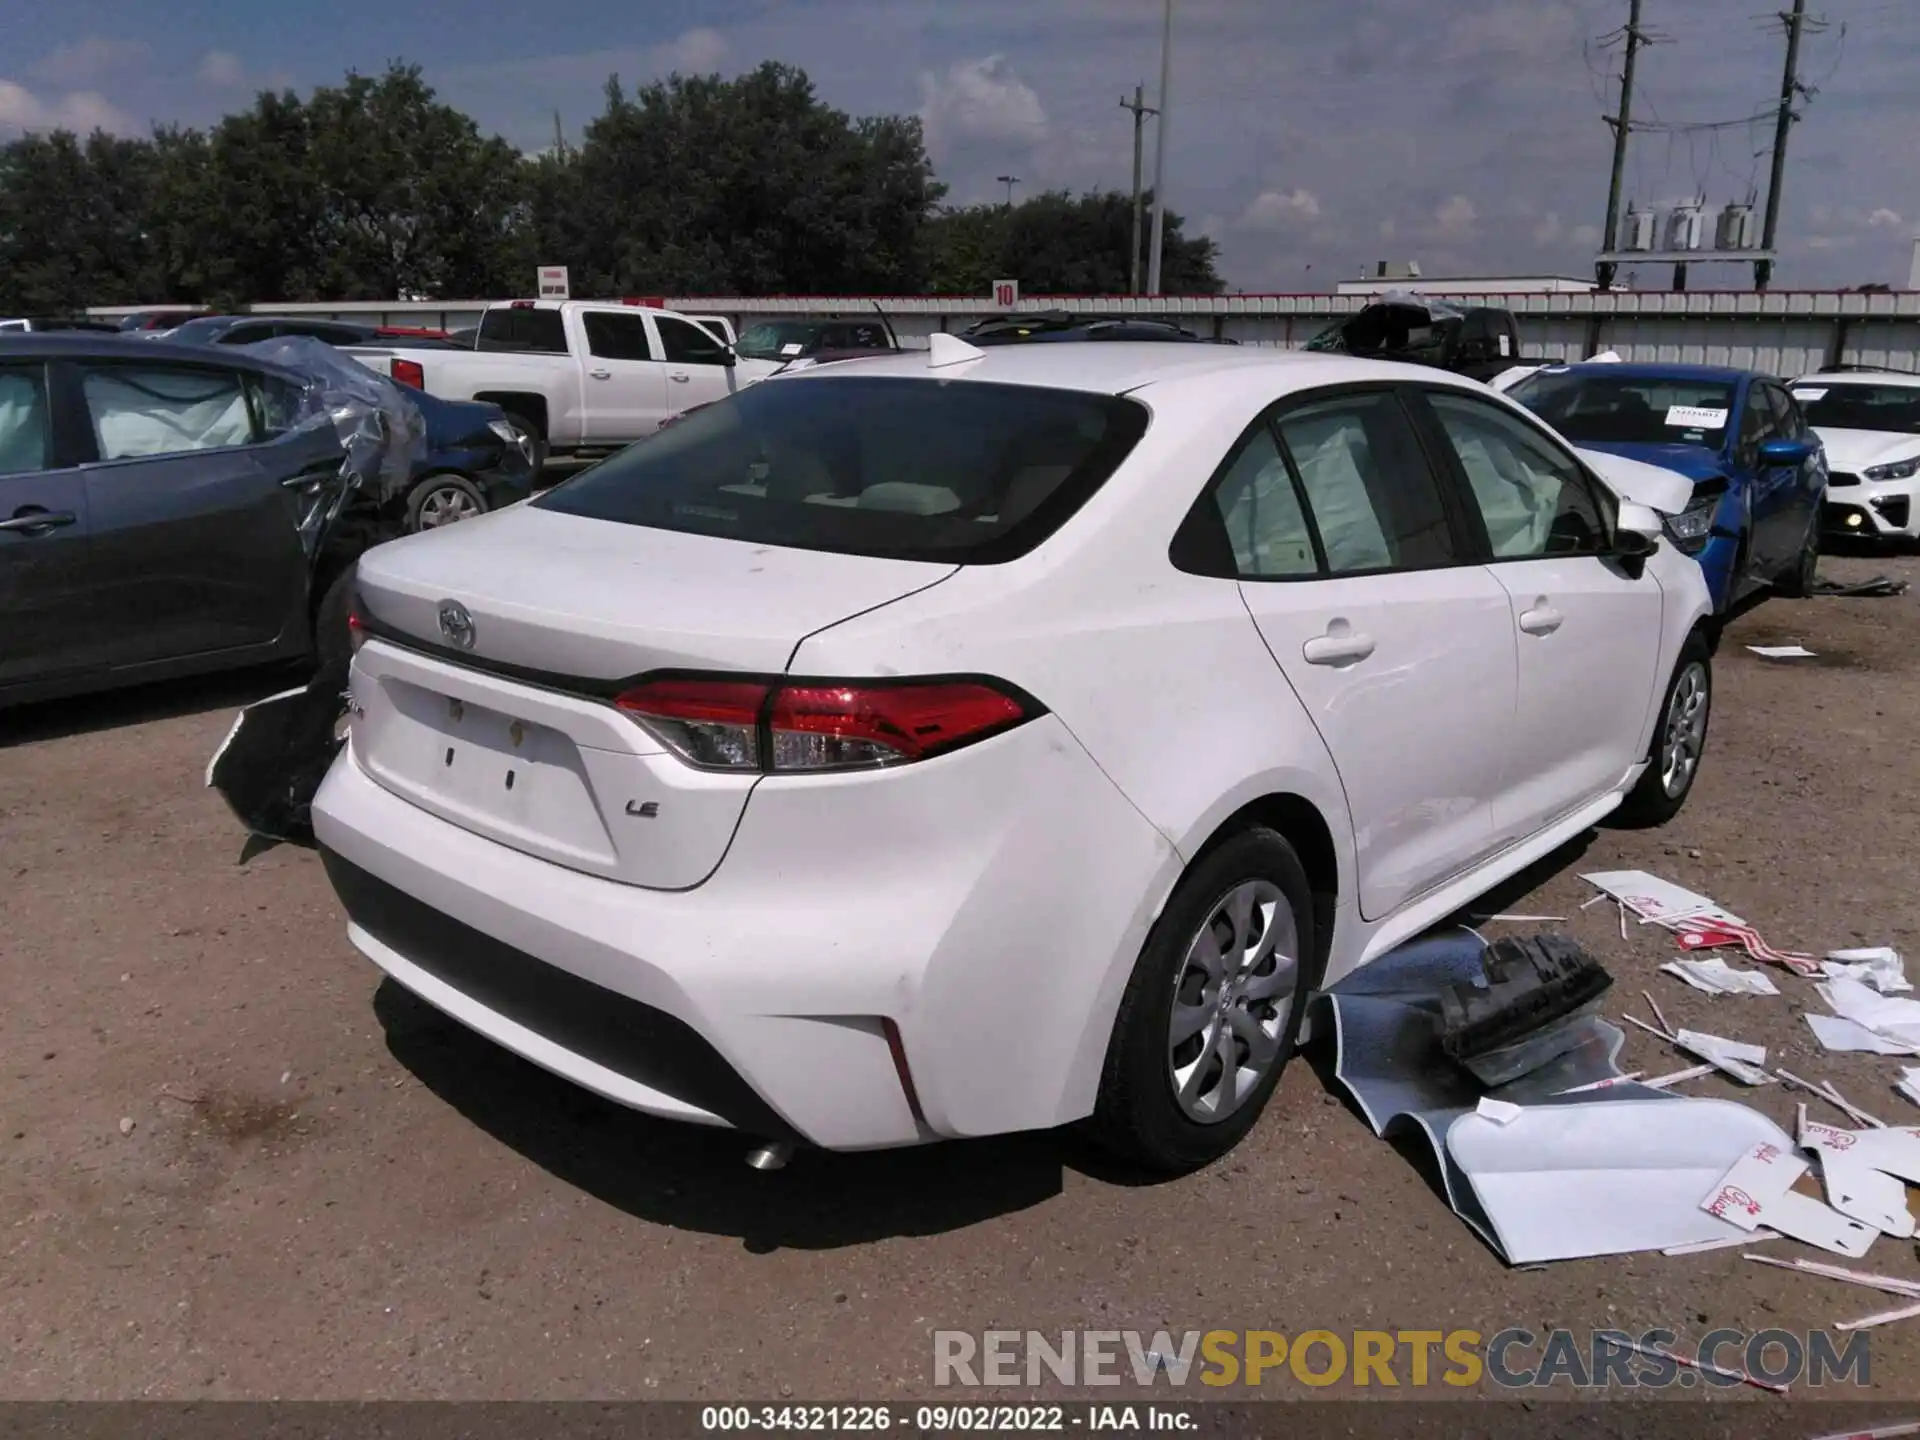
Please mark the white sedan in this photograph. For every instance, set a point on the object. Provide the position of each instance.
(967, 742)
(1869, 422)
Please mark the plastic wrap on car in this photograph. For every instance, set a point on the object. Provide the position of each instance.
(382, 434)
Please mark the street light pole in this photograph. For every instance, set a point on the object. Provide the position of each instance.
(1158, 246)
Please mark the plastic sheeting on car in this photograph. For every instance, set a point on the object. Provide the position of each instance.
(381, 430)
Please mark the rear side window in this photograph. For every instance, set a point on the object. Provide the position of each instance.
(1373, 497)
(961, 472)
(617, 337)
(529, 332)
(142, 410)
(24, 443)
(1261, 511)
(250, 331)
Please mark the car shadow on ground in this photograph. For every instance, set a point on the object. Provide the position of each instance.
(696, 1178)
(142, 704)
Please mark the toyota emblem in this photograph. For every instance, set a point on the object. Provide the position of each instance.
(456, 624)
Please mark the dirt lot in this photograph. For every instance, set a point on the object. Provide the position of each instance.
(325, 1191)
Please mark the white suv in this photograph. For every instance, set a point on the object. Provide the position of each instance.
(965, 742)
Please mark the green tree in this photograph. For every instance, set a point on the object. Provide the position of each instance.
(1060, 244)
(73, 228)
(751, 186)
(412, 198)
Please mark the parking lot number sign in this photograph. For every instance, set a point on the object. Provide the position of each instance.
(1006, 293)
(552, 282)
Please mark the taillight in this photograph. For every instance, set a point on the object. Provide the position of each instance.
(811, 726)
(356, 627)
(409, 372)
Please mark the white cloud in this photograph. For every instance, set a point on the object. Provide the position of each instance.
(83, 112)
(91, 59)
(1547, 230)
(700, 51)
(1455, 217)
(1885, 219)
(222, 68)
(1587, 236)
(1280, 209)
(980, 100)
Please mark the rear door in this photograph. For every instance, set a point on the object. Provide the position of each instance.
(195, 546)
(49, 624)
(625, 389)
(1586, 632)
(697, 369)
(1354, 568)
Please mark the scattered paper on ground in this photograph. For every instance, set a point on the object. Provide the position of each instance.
(1758, 1191)
(1698, 921)
(1716, 977)
(1888, 1018)
(1782, 652)
(1879, 966)
(1836, 1032)
(1738, 1059)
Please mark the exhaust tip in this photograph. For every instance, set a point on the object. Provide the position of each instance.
(771, 1156)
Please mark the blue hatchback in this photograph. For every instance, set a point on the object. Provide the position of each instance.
(1759, 472)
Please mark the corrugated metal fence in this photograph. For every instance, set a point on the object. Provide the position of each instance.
(1785, 333)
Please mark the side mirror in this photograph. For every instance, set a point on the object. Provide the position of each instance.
(1636, 533)
(728, 358)
(1785, 452)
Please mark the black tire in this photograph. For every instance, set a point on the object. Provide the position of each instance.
(1139, 1117)
(1662, 791)
(441, 500)
(1798, 582)
(332, 639)
(536, 441)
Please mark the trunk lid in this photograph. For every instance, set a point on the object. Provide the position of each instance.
(511, 734)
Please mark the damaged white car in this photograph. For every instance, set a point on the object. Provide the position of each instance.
(1869, 422)
(977, 741)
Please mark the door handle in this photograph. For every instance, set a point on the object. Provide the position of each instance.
(1340, 649)
(1542, 619)
(680, 375)
(601, 374)
(30, 521)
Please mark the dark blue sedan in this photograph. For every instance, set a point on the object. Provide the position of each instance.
(1759, 472)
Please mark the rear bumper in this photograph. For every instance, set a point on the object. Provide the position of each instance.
(989, 904)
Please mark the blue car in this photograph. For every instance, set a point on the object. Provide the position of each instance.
(1759, 472)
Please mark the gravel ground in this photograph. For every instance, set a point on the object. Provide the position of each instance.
(237, 1166)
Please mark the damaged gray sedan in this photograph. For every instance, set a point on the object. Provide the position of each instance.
(169, 511)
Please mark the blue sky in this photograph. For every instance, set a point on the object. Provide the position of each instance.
(1308, 136)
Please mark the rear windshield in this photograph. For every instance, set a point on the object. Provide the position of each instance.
(529, 331)
(1848, 406)
(957, 471)
(1594, 409)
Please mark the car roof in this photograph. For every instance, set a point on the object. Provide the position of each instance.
(1655, 370)
(1122, 369)
(1859, 377)
(121, 345)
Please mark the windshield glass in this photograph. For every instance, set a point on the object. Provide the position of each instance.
(1849, 406)
(769, 341)
(957, 471)
(1613, 409)
(202, 331)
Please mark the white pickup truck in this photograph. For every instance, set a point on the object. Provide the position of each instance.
(579, 377)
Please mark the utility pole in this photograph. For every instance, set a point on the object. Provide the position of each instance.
(1790, 88)
(1140, 112)
(1009, 181)
(559, 137)
(1622, 126)
(1157, 249)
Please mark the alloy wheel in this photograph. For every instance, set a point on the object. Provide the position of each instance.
(446, 505)
(1232, 999)
(1684, 731)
